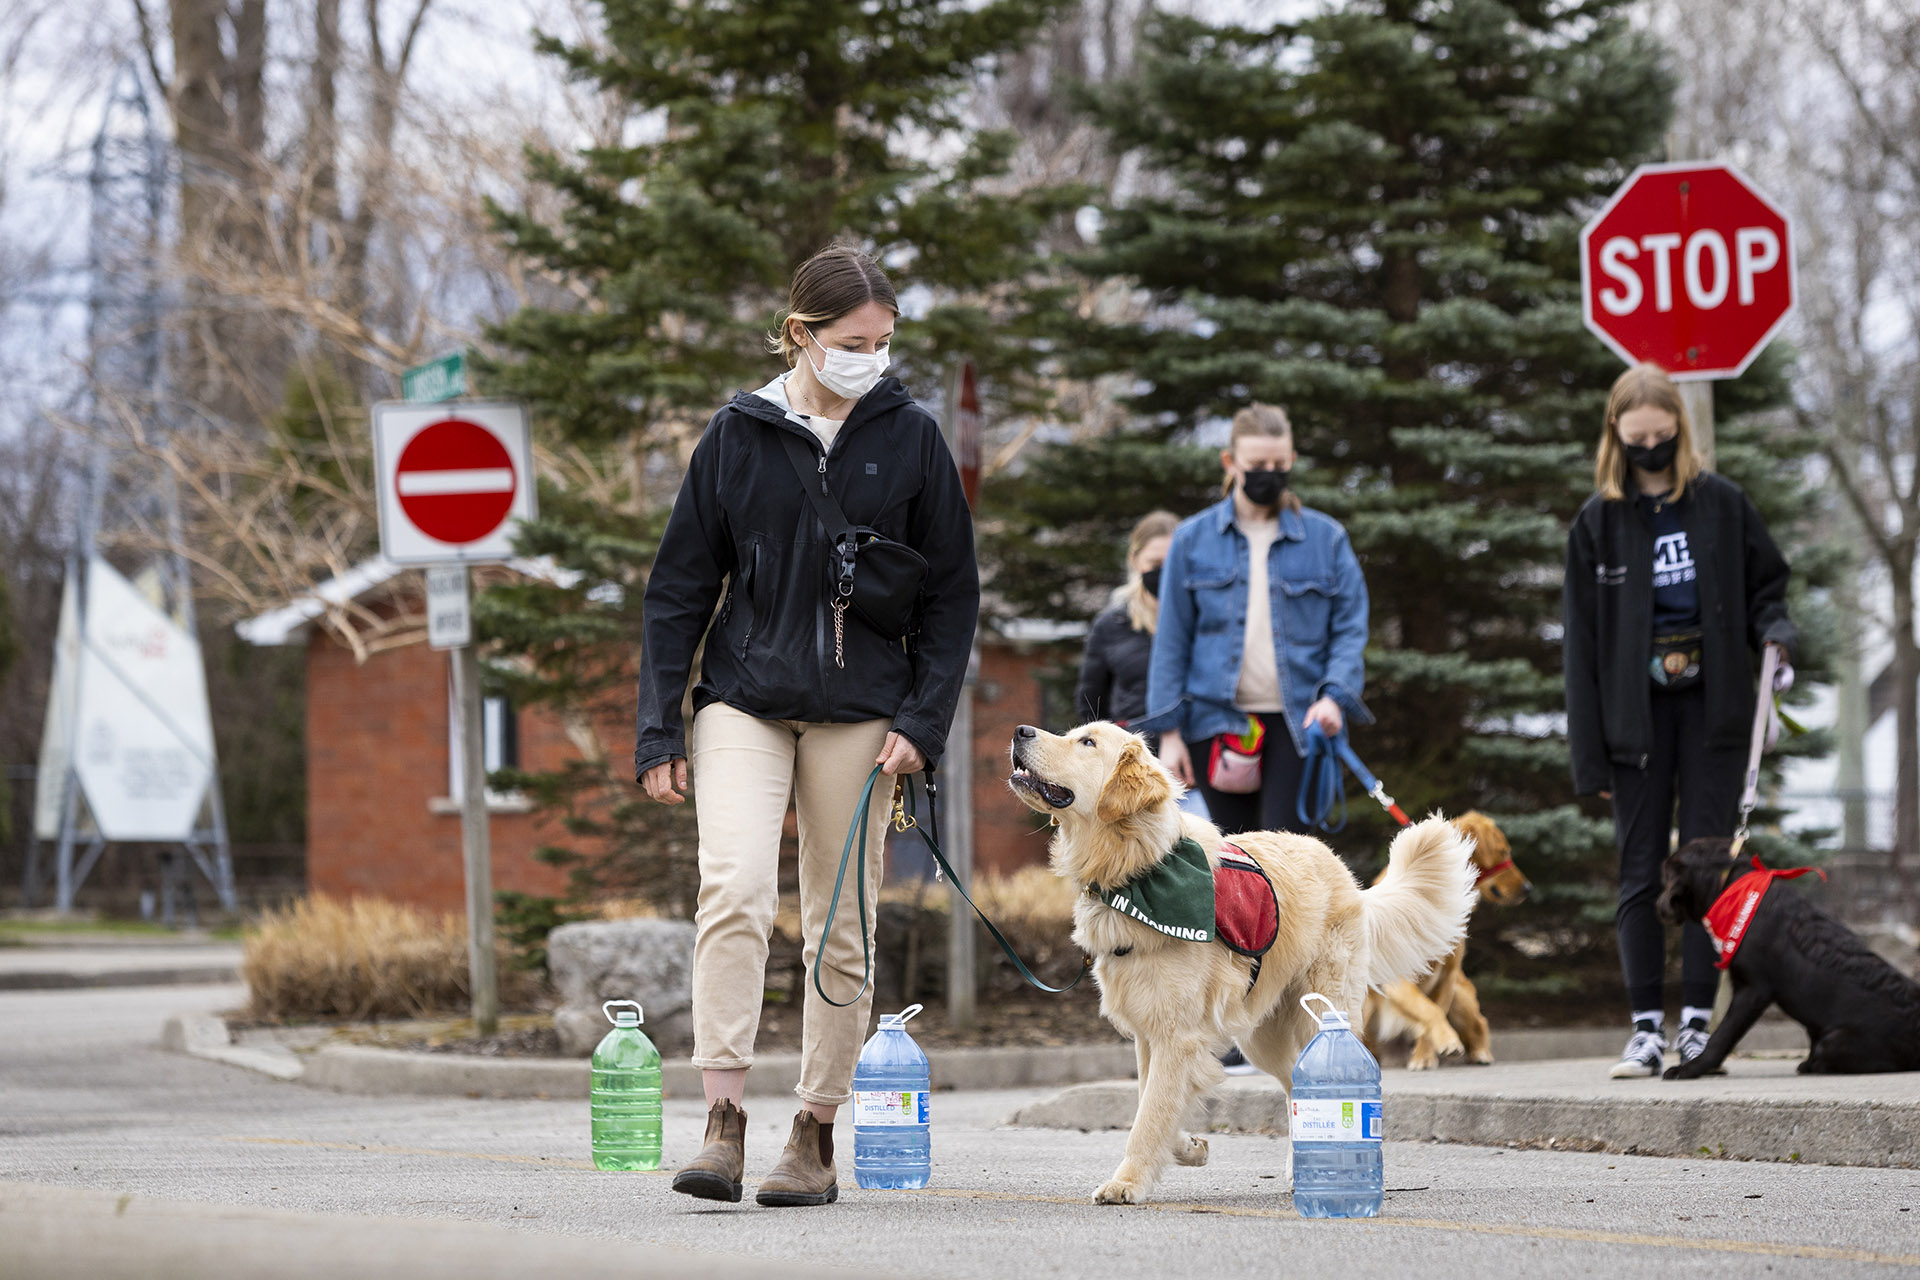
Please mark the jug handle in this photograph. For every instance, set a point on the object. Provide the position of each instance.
(639, 1014)
(1332, 1008)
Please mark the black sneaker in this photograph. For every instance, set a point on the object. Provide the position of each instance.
(1236, 1062)
(1644, 1054)
(1691, 1042)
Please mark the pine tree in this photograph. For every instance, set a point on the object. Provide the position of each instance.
(1370, 218)
(761, 131)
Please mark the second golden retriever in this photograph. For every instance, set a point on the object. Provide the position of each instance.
(1182, 1002)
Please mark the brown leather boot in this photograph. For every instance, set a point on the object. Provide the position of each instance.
(805, 1173)
(714, 1174)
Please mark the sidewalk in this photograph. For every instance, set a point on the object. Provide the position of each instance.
(133, 963)
(1761, 1110)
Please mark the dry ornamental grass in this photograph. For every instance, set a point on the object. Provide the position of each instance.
(363, 958)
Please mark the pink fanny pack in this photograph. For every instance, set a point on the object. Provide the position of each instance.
(1234, 767)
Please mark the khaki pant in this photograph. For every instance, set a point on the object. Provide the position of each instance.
(744, 770)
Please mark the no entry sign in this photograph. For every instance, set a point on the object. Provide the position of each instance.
(1688, 266)
(453, 481)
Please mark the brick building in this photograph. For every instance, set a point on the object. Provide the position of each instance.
(383, 814)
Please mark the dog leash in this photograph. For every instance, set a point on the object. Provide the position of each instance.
(1764, 713)
(906, 818)
(1322, 785)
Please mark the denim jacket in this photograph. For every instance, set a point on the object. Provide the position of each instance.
(1319, 602)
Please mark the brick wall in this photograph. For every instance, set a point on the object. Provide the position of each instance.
(377, 758)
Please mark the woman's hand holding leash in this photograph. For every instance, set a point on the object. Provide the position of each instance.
(898, 755)
(1327, 712)
(1173, 754)
(667, 782)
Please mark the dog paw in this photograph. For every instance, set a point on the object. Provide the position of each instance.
(1193, 1153)
(1447, 1043)
(1484, 1058)
(1120, 1191)
(1422, 1061)
(1682, 1072)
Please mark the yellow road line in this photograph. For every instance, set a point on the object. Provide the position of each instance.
(1825, 1253)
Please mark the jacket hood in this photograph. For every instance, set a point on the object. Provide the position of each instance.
(887, 395)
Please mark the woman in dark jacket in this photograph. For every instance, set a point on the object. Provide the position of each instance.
(1672, 585)
(1113, 670)
(798, 696)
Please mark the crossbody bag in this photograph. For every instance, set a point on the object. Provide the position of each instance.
(879, 579)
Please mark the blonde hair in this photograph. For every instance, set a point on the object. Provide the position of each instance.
(1143, 610)
(1644, 386)
(1268, 420)
(826, 286)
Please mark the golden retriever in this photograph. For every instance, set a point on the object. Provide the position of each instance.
(1183, 1002)
(1442, 1010)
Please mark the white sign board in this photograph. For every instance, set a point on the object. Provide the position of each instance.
(453, 480)
(143, 740)
(449, 617)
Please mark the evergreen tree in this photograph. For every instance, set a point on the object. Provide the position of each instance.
(759, 131)
(1370, 218)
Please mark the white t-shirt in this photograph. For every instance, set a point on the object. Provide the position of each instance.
(776, 392)
(1259, 687)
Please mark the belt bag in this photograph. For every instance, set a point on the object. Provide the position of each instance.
(880, 579)
(1676, 661)
(1234, 767)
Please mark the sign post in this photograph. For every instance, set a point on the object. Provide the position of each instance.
(1689, 266)
(963, 437)
(453, 482)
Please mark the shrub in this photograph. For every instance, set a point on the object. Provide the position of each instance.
(322, 957)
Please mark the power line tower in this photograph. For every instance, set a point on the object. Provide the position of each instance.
(127, 755)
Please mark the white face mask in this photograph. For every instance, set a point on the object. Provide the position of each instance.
(848, 373)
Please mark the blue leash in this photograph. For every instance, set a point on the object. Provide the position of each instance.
(1323, 785)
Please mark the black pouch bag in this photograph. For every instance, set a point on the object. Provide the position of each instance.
(1676, 661)
(878, 578)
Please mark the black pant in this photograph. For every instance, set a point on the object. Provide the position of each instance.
(1709, 784)
(1275, 807)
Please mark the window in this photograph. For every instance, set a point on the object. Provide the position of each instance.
(499, 743)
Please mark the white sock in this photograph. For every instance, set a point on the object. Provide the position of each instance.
(1690, 1013)
(1655, 1016)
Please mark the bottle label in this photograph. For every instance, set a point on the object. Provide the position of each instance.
(1336, 1120)
(878, 1108)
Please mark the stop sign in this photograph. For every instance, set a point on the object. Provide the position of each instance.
(1688, 266)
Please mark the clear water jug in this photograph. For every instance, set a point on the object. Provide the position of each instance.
(892, 1140)
(1337, 1126)
(625, 1098)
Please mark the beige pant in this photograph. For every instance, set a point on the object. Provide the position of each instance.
(744, 770)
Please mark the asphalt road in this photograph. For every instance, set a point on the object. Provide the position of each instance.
(87, 1101)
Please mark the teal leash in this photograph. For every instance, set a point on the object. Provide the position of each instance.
(905, 818)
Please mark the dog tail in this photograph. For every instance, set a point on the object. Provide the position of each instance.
(1417, 913)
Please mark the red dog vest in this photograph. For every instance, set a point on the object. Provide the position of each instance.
(1727, 919)
(1246, 912)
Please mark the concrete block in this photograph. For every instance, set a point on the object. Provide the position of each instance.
(650, 961)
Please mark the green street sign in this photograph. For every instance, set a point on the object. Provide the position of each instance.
(441, 379)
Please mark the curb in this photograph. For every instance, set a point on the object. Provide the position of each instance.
(65, 980)
(367, 1070)
(1852, 1131)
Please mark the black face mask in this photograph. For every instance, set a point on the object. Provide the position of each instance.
(1151, 581)
(1653, 457)
(1263, 488)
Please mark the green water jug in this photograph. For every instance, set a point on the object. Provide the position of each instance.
(625, 1098)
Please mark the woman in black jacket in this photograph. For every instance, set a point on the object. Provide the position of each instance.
(1672, 585)
(1113, 670)
(798, 696)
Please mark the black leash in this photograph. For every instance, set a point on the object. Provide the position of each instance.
(905, 818)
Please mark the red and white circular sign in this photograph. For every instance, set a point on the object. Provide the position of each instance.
(455, 481)
(1688, 266)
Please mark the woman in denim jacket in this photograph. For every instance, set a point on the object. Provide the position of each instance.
(1263, 613)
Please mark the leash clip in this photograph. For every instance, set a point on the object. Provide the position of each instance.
(902, 820)
(1379, 793)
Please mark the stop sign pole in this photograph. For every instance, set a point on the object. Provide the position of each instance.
(453, 481)
(1688, 265)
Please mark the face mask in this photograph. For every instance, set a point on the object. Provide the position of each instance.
(1151, 581)
(1263, 488)
(1655, 457)
(848, 373)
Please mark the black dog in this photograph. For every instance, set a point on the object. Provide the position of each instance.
(1861, 1014)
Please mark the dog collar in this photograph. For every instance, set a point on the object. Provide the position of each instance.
(1727, 919)
(1487, 873)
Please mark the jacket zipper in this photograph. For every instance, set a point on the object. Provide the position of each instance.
(753, 614)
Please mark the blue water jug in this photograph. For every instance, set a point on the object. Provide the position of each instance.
(892, 1142)
(1337, 1127)
(624, 1101)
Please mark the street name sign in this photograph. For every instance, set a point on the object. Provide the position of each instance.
(442, 379)
(1689, 266)
(453, 481)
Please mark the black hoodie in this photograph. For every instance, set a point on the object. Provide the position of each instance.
(743, 523)
(1608, 612)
